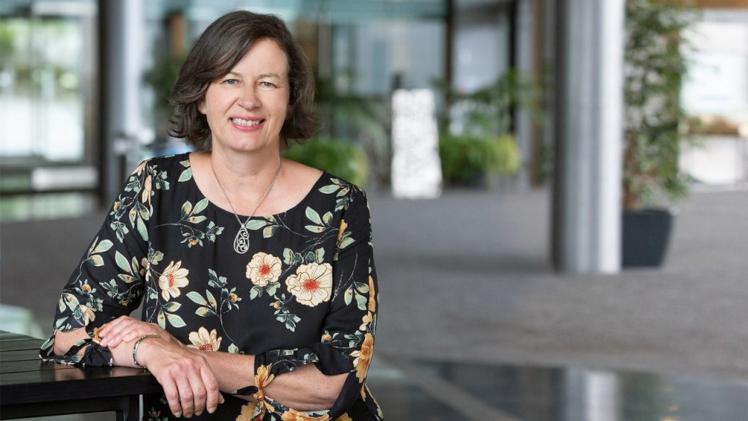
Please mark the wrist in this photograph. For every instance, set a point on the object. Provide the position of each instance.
(142, 349)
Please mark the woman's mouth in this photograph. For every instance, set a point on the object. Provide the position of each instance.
(247, 124)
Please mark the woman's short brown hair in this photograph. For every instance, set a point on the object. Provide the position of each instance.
(223, 44)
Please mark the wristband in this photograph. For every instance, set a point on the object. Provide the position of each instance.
(135, 348)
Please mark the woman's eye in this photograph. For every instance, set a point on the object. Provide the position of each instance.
(267, 84)
(230, 81)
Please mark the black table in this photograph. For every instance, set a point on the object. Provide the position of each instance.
(32, 388)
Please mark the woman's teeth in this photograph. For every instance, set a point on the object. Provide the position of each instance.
(246, 123)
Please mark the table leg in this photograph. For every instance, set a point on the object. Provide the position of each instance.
(129, 408)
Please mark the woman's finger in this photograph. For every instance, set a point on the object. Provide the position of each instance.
(199, 391)
(213, 393)
(186, 396)
(114, 333)
(171, 393)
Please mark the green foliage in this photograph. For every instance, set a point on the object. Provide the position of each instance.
(484, 145)
(488, 110)
(655, 67)
(339, 158)
(161, 77)
(466, 159)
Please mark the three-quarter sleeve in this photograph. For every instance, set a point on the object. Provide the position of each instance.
(347, 340)
(109, 279)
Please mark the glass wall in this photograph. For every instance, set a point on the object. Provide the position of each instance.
(47, 94)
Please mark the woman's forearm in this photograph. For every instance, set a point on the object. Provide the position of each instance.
(121, 354)
(306, 388)
(65, 340)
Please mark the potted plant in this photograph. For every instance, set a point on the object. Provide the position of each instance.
(653, 126)
(467, 159)
(478, 142)
(339, 158)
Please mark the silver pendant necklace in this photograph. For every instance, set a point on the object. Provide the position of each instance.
(241, 241)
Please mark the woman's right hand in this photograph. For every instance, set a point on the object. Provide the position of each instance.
(189, 385)
(126, 329)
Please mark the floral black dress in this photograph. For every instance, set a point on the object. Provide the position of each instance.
(304, 292)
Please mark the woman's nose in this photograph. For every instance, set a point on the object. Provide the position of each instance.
(248, 99)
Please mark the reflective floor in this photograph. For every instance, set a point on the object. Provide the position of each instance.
(431, 390)
(420, 390)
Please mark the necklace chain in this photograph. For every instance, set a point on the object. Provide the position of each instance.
(241, 241)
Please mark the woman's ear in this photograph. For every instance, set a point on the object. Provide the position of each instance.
(201, 106)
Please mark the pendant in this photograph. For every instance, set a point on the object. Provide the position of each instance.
(241, 241)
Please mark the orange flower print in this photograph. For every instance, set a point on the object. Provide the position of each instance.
(363, 357)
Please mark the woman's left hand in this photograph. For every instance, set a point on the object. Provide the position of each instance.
(126, 329)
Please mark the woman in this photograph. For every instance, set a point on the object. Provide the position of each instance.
(256, 272)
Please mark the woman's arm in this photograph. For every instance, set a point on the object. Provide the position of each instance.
(306, 388)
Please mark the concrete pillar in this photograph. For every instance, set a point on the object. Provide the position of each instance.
(524, 63)
(589, 108)
(122, 45)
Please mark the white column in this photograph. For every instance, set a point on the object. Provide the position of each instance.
(589, 136)
(123, 35)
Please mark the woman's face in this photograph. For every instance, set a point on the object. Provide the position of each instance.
(247, 107)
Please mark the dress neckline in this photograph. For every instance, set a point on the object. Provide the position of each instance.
(306, 197)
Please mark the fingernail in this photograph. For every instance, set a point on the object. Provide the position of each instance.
(177, 414)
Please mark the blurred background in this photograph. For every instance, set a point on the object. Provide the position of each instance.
(560, 206)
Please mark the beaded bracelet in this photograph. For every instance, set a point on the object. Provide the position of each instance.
(135, 348)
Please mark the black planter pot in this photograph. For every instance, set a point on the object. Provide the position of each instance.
(646, 234)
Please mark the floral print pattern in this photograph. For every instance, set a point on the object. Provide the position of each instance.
(312, 284)
(205, 341)
(305, 293)
(263, 269)
(171, 279)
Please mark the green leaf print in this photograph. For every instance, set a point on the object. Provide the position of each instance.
(268, 231)
(320, 255)
(315, 228)
(161, 319)
(97, 260)
(204, 311)
(142, 230)
(172, 306)
(175, 320)
(122, 262)
(103, 246)
(361, 302)
(186, 208)
(271, 288)
(196, 298)
(313, 216)
(327, 218)
(211, 300)
(197, 219)
(329, 189)
(132, 215)
(288, 256)
(255, 292)
(348, 296)
(233, 349)
(256, 224)
(200, 206)
(185, 175)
